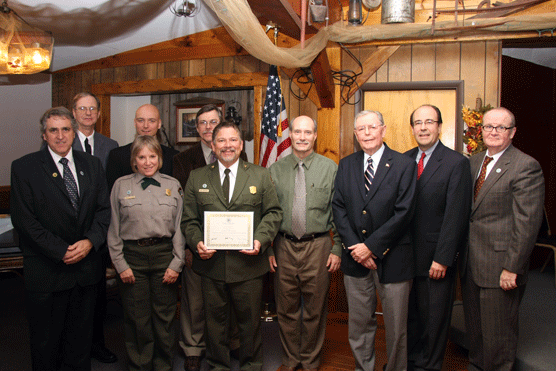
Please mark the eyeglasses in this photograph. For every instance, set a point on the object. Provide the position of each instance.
(426, 122)
(364, 128)
(499, 129)
(90, 109)
(211, 122)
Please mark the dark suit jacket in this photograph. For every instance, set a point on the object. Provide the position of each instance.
(443, 203)
(380, 219)
(47, 224)
(103, 146)
(253, 191)
(189, 160)
(119, 163)
(505, 217)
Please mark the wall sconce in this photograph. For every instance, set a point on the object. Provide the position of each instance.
(24, 49)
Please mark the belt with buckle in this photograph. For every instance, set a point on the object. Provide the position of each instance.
(307, 238)
(149, 241)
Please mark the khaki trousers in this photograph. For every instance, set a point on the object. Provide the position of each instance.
(301, 287)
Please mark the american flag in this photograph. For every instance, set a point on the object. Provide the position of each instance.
(275, 139)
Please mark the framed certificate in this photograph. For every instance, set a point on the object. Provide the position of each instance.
(229, 230)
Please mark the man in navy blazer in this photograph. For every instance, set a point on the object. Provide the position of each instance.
(439, 230)
(86, 111)
(60, 236)
(373, 204)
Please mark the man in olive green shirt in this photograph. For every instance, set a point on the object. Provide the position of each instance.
(304, 253)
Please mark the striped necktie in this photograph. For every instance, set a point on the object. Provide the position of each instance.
(369, 175)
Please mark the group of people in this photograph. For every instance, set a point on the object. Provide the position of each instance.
(393, 223)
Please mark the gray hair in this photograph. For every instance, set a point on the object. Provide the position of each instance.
(57, 112)
(365, 113)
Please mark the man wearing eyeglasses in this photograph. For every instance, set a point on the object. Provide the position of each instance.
(439, 231)
(192, 316)
(373, 204)
(506, 215)
(86, 110)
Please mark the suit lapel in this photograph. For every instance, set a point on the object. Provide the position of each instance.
(380, 173)
(432, 165)
(84, 180)
(500, 167)
(77, 144)
(216, 185)
(51, 172)
(241, 181)
(359, 173)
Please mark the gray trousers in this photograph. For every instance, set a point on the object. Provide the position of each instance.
(361, 296)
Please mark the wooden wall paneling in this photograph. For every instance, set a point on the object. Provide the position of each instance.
(160, 70)
(120, 74)
(57, 88)
(87, 79)
(214, 66)
(400, 65)
(423, 60)
(184, 65)
(492, 73)
(258, 102)
(382, 74)
(228, 65)
(145, 72)
(247, 63)
(107, 75)
(131, 73)
(448, 61)
(172, 69)
(473, 70)
(197, 67)
(295, 104)
(103, 124)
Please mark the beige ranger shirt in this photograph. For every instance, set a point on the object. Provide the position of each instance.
(138, 213)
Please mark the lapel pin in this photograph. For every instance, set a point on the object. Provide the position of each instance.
(82, 173)
(253, 190)
(498, 170)
(54, 175)
(128, 192)
(387, 165)
(205, 185)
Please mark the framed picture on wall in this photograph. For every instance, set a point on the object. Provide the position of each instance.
(186, 112)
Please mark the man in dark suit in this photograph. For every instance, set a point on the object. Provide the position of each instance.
(147, 122)
(231, 280)
(192, 315)
(506, 215)
(60, 209)
(86, 111)
(439, 230)
(373, 204)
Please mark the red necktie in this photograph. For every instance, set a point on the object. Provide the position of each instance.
(421, 165)
(482, 176)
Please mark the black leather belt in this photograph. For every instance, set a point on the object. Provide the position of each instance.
(304, 238)
(149, 241)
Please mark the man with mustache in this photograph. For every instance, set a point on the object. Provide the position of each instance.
(192, 315)
(305, 255)
(231, 280)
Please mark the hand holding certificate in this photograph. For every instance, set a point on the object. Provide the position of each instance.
(229, 230)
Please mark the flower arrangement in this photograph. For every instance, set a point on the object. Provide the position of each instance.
(473, 133)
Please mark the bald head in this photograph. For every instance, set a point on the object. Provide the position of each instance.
(303, 135)
(147, 120)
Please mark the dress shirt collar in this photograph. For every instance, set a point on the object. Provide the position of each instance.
(306, 161)
(206, 152)
(428, 153)
(56, 157)
(376, 158)
(138, 177)
(233, 170)
(91, 138)
(496, 156)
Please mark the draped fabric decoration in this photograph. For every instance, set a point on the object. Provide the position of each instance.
(243, 26)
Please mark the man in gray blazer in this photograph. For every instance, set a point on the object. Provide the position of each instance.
(86, 110)
(506, 215)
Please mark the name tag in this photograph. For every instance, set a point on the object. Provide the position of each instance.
(203, 190)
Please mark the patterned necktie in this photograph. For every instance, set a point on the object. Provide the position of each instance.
(482, 176)
(226, 185)
(421, 165)
(212, 157)
(299, 202)
(88, 146)
(369, 175)
(71, 185)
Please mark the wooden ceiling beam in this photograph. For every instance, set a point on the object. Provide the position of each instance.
(305, 88)
(322, 77)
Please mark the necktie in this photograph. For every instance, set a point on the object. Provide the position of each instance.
(226, 185)
(299, 202)
(149, 181)
(212, 157)
(421, 165)
(369, 175)
(71, 185)
(482, 176)
(88, 146)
